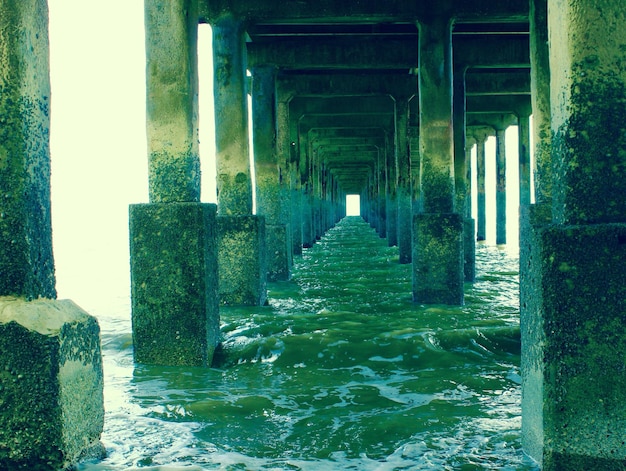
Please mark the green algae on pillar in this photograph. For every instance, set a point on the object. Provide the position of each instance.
(174, 283)
(52, 400)
(241, 236)
(272, 190)
(26, 260)
(172, 100)
(574, 378)
(172, 238)
(51, 388)
(234, 184)
(242, 262)
(437, 230)
(403, 180)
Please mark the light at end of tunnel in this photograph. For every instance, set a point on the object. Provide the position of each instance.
(353, 205)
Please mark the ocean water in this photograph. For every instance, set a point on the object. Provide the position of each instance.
(341, 371)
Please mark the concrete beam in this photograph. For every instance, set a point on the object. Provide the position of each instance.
(368, 12)
(486, 82)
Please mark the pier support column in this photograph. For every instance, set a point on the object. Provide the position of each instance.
(51, 387)
(501, 185)
(461, 167)
(173, 238)
(236, 247)
(540, 98)
(403, 164)
(272, 176)
(574, 339)
(523, 131)
(481, 201)
(438, 229)
(391, 194)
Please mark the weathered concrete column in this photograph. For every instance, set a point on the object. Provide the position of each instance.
(173, 238)
(292, 176)
(523, 132)
(481, 219)
(241, 235)
(391, 193)
(500, 185)
(438, 230)
(540, 87)
(403, 164)
(469, 224)
(272, 178)
(461, 181)
(51, 399)
(574, 341)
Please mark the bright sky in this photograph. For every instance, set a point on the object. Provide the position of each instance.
(98, 144)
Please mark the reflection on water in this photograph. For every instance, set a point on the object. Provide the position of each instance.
(340, 371)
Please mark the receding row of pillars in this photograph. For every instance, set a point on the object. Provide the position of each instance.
(572, 244)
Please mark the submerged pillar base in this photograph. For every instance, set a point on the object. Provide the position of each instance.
(438, 258)
(173, 255)
(573, 346)
(242, 260)
(278, 246)
(51, 394)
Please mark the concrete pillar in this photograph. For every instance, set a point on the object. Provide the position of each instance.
(500, 186)
(540, 87)
(51, 388)
(292, 176)
(173, 238)
(403, 164)
(381, 176)
(272, 177)
(438, 229)
(234, 184)
(391, 193)
(469, 224)
(461, 167)
(523, 130)
(241, 237)
(573, 339)
(481, 219)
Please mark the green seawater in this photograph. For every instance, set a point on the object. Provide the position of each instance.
(340, 371)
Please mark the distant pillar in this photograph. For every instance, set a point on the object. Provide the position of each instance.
(481, 219)
(175, 312)
(391, 194)
(500, 186)
(461, 181)
(573, 338)
(469, 224)
(51, 387)
(523, 130)
(403, 164)
(241, 245)
(438, 229)
(272, 176)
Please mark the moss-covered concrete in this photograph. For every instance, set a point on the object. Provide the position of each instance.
(438, 259)
(279, 257)
(533, 219)
(174, 283)
(26, 261)
(234, 184)
(574, 375)
(51, 386)
(242, 260)
(172, 100)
